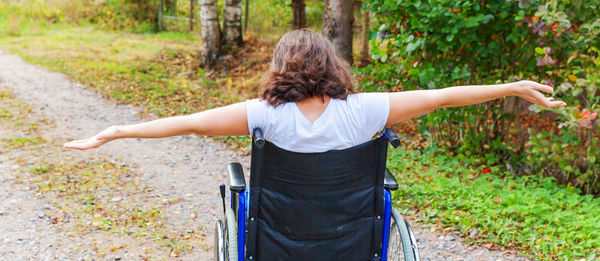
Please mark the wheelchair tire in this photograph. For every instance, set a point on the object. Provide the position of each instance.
(219, 241)
(400, 246)
(232, 237)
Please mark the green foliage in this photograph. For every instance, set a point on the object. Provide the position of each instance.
(131, 15)
(571, 154)
(17, 18)
(443, 42)
(532, 214)
(433, 44)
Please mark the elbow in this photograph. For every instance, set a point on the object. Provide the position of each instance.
(439, 100)
(196, 124)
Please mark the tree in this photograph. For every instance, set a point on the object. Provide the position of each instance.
(337, 26)
(365, 55)
(232, 25)
(299, 14)
(211, 32)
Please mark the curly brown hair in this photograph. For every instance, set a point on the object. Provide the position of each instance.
(305, 65)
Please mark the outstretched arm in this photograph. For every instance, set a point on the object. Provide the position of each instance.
(226, 121)
(410, 104)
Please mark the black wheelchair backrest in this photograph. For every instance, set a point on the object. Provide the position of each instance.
(316, 206)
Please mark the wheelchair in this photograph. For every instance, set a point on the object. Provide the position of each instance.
(334, 205)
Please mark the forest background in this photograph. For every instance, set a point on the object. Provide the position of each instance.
(503, 173)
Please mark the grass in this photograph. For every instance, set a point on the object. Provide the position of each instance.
(18, 142)
(487, 205)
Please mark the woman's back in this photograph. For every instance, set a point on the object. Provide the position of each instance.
(342, 124)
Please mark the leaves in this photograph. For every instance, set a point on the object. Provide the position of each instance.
(572, 77)
(587, 115)
(540, 50)
(173, 253)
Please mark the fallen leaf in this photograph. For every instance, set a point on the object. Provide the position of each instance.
(173, 253)
(572, 77)
(497, 201)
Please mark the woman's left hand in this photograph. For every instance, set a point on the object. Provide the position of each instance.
(531, 91)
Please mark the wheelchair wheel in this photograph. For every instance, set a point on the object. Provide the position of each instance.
(400, 246)
(232, 237)
(219, 241)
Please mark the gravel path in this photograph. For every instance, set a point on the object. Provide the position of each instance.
(187, 167)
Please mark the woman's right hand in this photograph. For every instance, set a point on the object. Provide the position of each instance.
(95, 141)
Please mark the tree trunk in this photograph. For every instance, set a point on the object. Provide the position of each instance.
(337, 26)
(299, 14)
(232, 26)
(211, 32)
(365, 55)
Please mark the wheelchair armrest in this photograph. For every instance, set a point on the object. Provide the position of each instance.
(237, 183)
(389, 182)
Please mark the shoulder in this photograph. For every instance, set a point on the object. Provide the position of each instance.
(257, 103)
(262, 105)
(368, 98)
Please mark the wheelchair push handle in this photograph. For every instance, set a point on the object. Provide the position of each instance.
(258, 138)
(392, 137)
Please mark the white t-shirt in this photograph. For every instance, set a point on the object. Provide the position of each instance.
(343, 124)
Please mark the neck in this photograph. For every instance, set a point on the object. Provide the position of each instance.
(315, 100)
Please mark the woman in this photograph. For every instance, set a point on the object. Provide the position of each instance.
(309, 104)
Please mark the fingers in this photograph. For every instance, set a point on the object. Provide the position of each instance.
(551, 103)
(543, 88)
(74, 145)
(554, 104)
(80, 144)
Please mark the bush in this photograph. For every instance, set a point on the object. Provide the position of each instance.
(572, 155)
(426, 44)
(130, 15)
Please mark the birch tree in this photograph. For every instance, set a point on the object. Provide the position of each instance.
(233, 22)
(211, 32)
